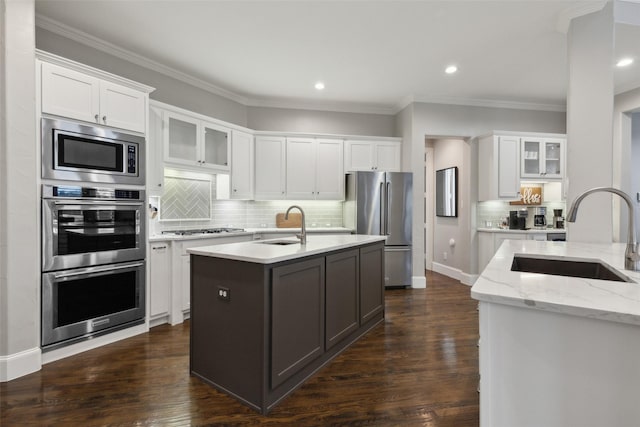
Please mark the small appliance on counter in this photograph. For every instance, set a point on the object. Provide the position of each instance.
(518, 219)
(558, 219)
(539, 217)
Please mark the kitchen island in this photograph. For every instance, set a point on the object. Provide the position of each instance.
(267, 315)
(557, 350)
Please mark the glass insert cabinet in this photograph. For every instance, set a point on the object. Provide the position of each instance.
(542, 158)
(196, 143)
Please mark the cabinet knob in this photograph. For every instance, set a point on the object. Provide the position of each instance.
(235, 190)
(104, 119)
(159, 185)
(97, 117)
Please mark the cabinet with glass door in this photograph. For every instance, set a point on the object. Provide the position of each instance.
(542, 158)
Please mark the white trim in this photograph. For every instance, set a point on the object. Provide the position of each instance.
(418, 282)
(471, 102)
(454, 273)
(565, 17)
(73, 349)
(99, 44)
(468, 279)
(20, 364)
(345, 107)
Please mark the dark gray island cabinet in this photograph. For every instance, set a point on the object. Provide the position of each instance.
(265, 318)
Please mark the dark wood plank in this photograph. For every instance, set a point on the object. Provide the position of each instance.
(418, 368)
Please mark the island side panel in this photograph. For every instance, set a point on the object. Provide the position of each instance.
(343, 296)
(539, 368)
(371, 282)
(227, 339)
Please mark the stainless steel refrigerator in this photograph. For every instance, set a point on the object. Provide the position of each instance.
(380, 203)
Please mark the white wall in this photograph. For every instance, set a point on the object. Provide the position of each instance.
(286, 119)
(421, 120)
(169, 90)
(589, 123)
(19, 255)
(450, 153)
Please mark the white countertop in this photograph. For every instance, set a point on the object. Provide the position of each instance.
(262, 253)
(598, 299)
(529, 231)
(166, 237)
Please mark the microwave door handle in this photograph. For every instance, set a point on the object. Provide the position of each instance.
(92, 270)
(101, 203)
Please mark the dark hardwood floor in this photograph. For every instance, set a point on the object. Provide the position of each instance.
(418, 368)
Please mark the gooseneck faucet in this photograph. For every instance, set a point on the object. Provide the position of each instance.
(631, 256)
(303, 233)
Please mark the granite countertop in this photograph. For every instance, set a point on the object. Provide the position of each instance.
(248, 231)
(592, 298)
(262, 253)
(529, 231)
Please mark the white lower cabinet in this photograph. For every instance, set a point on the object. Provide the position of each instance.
(159, 282)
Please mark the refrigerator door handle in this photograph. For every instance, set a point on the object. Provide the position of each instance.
(386, 212)
(383, 211)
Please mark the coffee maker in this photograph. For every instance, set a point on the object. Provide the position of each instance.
(518, 219)
(558, 219)
(539, 217)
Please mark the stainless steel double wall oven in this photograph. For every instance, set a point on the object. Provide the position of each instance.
(93, 237)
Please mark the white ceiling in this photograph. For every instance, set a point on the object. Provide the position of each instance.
(372, 55)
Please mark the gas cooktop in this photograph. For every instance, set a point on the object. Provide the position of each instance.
(203, 231)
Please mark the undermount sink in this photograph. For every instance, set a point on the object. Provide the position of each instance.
(586, 268)
(278, 242)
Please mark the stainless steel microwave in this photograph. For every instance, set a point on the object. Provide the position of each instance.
(77, 152)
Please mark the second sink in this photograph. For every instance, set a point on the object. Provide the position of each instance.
(278, 242)
(586, 268)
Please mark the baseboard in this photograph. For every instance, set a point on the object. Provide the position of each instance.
(20, 364)
(70, 350)
(448, 271)
(468, 279)
(418, 282)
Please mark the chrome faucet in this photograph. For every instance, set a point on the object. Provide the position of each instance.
(631, 256)
(303, 233)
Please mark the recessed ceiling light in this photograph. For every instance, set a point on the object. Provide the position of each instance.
(451, 69)
(319, 86)
(624, 62)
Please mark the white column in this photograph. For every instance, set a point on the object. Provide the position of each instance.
(19, 255)
(589, 123)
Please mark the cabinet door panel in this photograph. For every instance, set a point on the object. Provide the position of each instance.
(359, 156)
(159, 279)
(371, 282)
(388, 157)
(301, 168)
(509, 171)
(181, 139)
(297, 313)
(329, 170)
(270, 168)
(215, 147)
(69, 93)
(122, 107)
(241, 165)
(342, 296)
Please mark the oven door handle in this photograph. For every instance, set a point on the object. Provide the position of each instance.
(97, 203)
(92, 270)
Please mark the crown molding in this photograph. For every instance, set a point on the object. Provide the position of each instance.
(345, 107)
(104, 46)
(342, 107)
(490, 103)
(565, 17)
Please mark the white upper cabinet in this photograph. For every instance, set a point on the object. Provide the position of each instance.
(270, 168)
(315, 169)
(241, 165)
(499, 168)
(73, 94)
(542, 158)
(373, 155)
(191, 142)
